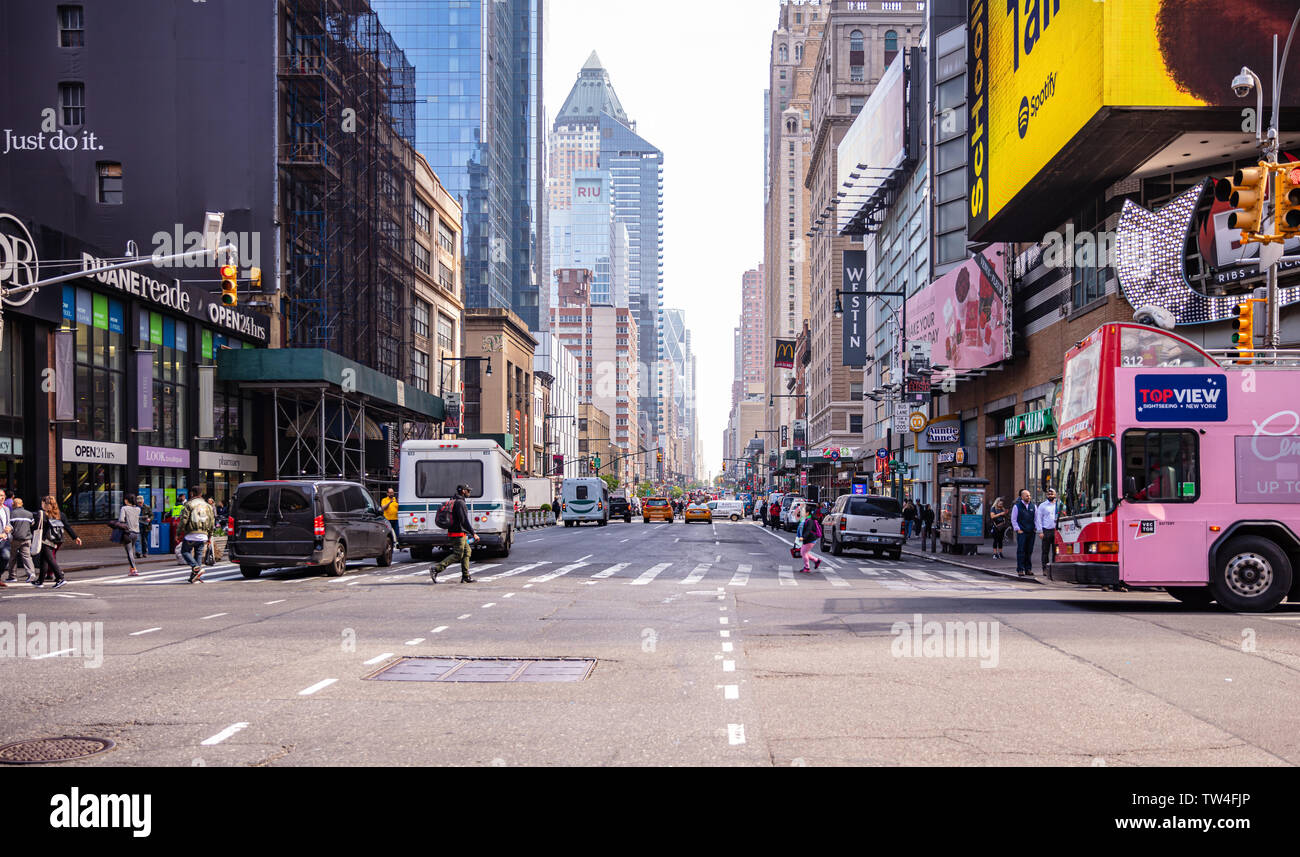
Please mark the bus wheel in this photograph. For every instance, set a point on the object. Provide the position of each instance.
(1253, 575)
(1193, 596)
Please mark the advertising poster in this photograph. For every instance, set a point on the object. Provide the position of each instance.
(965, 315)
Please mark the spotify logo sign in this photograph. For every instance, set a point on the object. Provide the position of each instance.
(1024, 117)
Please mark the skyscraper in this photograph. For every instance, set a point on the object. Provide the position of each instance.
(479, 122)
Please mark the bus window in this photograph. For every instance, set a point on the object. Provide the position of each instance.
(581, 492)
(1152, 348)
(1162, 465)
(1079, 388)
(1086, 479)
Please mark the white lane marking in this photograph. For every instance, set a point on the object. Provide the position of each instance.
(528, 586)
(489, 604)
(52, 654)
(520, 570)
(787, 575)
(320, 685)
(725, 634)
(439, 629)
(918, 575)
(417, 641)
(277, 601)
(620, 541)
(723, 620)
(728, 666)
(741, 577)
(828, 561)
(650, 574)
(735, 733)
(697, 574)
(611, 571)
(676, 540)
(869, 572)
(731, 691)
(562, 570)
(224, 734)
(464, 616)
(145, 631)
(508, 595)
(583, 558)
(377, 658)
(214, 616)
(834, 578)
(726, 647)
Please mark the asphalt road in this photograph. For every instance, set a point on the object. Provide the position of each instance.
(709, 648)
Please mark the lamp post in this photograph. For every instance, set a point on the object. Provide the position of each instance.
(549, 442)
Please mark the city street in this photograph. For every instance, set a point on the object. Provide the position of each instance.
(710, 648)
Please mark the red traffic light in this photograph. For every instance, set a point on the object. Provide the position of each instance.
(228, 272)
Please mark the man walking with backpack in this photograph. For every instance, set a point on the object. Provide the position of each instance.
(195, 522)
(454, 518)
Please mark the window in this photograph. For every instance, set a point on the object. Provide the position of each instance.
(855, 423)
(798, 52)
(1162, 465)
(440, 478)
(254, 502)
(72, 100)
(110, 183)
(445, 278)
(784, 53)
(445, 239)
(422, 257)
(874, 507)
(446, 333)
(1151, 348)
(856, 104)
(294, 500)
(422, 215)
(857, 74)
(855, 40)
(420, 318)
(1089, 280)
(1086, 479)
(855, 391)
(72, 27)
(891, 41)
(420, 370)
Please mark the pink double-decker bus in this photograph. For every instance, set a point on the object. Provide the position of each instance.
(1178, 471)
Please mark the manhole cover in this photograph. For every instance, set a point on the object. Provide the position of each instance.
(486, 669)
(43, 750)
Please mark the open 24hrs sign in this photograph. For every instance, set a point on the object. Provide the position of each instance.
(1180, 398)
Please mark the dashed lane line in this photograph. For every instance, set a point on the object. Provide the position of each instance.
(318, 686)
(224, 734)
(377, 658)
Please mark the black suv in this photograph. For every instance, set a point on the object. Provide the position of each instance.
(306, 522)
(620, 507)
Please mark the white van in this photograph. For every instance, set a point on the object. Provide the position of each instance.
(431, 470)
(584, 498)
(731, 509)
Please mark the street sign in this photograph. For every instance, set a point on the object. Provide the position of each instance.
(901, 414)
(882, 453)
(803, 479)
(916, 421)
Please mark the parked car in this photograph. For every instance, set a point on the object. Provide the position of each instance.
(620, 507)
(306, 522)
(869, 522)
(656, 509)
(788, 521)
(698, 511)
(733, 510)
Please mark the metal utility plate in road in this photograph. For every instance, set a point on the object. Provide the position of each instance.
(485, 669)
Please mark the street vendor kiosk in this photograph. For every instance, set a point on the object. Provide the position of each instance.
(961, 514)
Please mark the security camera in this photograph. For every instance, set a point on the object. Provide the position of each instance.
(1154, 316)
(1242, 84)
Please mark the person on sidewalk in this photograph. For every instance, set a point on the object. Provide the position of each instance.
(25, 538)
(909, 521)
(129, 517)
(1001, 523)
(927, 524)
(1023, 519)
(462, 535)
(5, 570)
(1045, 520)
(806, 533)
(195, 522)
(53, 528)
(146, 524)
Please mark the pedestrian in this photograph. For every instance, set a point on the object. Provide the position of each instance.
(1023, 520)
(389, 507)
(24, 537)
(210, 554)
(927, 524)
(461, 534)
(53, 528)
(129, 519)
(195, 522)
(909, 520)
(1001, 523)
(4, 538)
(1045, 520)
(762, 510)
(805, 534)
(146, 524)
(774, 514)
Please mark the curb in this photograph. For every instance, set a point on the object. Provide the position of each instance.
(993, 571)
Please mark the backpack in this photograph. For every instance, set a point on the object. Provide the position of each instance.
(199, 517)
(56, 531)
(442, 519)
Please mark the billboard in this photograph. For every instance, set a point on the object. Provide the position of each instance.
(784, 354)
(965, 315)
(1064, 95)
(877, 138)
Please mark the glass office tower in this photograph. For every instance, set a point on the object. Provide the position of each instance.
(479, 123)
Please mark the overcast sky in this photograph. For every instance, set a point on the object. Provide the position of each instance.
(691, 74)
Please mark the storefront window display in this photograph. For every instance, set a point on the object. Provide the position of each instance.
(100, 364)
(169, 341)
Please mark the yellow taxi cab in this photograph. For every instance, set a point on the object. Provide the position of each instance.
(698, 512)
(656, 509)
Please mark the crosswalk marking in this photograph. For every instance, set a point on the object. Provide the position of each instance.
(786, 574)
(519, 570)
(611, 571)
(559, 572)
(869, 572)
(697, 574)
(650, 574)
(834, 578)
(741, 577)
(918, 575)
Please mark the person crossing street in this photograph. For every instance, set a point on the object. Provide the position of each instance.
(195, 522)
(462, 536)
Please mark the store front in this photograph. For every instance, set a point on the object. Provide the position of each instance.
(1034, 435)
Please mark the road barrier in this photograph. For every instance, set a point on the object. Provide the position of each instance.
(532, 519)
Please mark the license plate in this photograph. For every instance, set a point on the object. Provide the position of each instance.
(253, 534)
(873, 539)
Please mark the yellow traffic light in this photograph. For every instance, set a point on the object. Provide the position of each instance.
(1286, 215)
(1245, 192)
(255, 279)
(229, 285)
(1243, 336)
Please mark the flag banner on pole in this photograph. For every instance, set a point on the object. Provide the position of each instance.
(207, 381)
(784, 354)
(64, 368)
(144, 391)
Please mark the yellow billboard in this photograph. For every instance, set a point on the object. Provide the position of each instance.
(1043, 73)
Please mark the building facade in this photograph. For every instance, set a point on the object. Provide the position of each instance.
(500, 404)
(437, 305)
(558, 434)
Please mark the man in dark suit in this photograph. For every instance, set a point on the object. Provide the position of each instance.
(1023, 515)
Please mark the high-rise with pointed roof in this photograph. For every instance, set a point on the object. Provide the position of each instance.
(593, 136)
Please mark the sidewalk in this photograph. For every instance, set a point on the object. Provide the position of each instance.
(983, 561)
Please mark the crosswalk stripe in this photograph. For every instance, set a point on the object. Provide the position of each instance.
(697, 574)
(741, 577)
(834, 578)
(650, 574)
(869, 572)
(611, 571)
(559, 572)
(786, 574)
(515, 571)
(179, 571)
(918, 575)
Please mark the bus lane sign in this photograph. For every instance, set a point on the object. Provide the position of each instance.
(1180, 398)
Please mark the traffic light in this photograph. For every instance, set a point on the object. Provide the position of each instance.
(255, 279)
(1245, 192)
(229, 285)
(1243, 337)
(595, 460)
(659, 456)
(1287, 192)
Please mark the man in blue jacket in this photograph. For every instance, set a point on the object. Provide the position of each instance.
(1023, 519)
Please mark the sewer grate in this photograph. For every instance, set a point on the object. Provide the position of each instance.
(43, 750)
(486, 669)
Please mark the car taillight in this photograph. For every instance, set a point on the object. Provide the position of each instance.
(844, 524)
(600, 506)
(318, 526)
(1101, 547)
(230, 525)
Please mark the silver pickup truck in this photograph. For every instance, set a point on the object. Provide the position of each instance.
(870, 522)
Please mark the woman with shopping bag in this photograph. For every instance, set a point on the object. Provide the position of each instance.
(808, 532)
